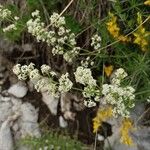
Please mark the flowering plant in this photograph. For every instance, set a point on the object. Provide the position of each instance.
(109, 72)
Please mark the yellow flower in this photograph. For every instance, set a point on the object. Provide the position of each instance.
(108, 70)
(124, 130)
(141, 35)
(102, 115)
(147, 2)
(114, 30)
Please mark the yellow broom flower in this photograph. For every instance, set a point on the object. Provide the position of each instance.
(114, 30)
(108, 70)
(147, 2)
(141, 35)
(102, 115)
(125, 128)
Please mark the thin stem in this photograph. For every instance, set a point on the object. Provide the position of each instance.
(77, 89)
(140, 117)
(95, 141)
(143, 92)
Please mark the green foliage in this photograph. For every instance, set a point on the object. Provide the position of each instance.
(13, 8)
(72, 24)
(53, 141)
(32, 4)
(48, 5)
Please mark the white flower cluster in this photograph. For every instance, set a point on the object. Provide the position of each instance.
(118, 76)
(90, 92)
(36, 27)
(35, 13)
(10, 28)
(121, 98)
(4, 13)
(59, 37)
(87, 62)
(63, 38)
(44, 81)
(40, 82)
(84, 76)
(69, 55)
(23, 72)
(96, 41)
(89, 103)
(57, 20)
(47, 84)
(34, 74)
(46, 70)
(65, 83)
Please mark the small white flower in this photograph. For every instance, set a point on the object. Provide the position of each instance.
(65, 83)
(61, 31)
(120, 73)
(105, 89)
(91, 92)
(118, 76)
(88, 92)
(70, 55)
(17, 69)
(11, 27)
(4, 13)
(92, 63)
(148, 99)
(45, 69)
(22, 76)
(16, 18)
(96, 41)
(53, 73)
(31, 67)
(24, 69)
(40, 84)
(97, 98)
(57, 20)
(84, 76)
(35, 13)
(52, 88)
(34, 74)
(89, 103)
(61, 40)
